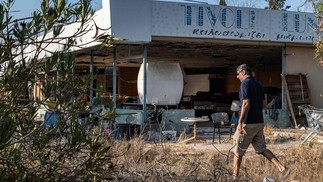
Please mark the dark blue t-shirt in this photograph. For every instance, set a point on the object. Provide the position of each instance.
(253, 90)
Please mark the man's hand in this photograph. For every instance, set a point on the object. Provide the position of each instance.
(240, 129)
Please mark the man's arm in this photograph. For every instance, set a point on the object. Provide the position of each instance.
(243, 114)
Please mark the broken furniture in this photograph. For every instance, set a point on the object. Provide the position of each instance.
(221, 120)
(314, 117)
(296, 91)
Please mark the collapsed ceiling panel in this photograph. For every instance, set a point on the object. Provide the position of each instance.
(190, 54)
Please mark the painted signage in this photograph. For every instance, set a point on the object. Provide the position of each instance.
(223, 22)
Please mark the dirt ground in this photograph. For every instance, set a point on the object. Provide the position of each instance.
(277, 138)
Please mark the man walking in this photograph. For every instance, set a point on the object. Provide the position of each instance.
(250, 129)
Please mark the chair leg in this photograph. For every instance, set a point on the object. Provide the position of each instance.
(230, 132)
(219, 134)
(213, 132)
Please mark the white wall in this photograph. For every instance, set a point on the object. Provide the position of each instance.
(131, 19)
(300, 60)
(197, 83)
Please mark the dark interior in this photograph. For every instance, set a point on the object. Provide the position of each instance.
(218, 59)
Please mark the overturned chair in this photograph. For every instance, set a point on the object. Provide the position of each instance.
(221, 120)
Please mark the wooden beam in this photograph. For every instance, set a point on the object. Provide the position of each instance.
(289, 102)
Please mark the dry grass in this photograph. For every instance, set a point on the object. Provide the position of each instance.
(139, 160)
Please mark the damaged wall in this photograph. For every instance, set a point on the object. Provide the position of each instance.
(300, 60)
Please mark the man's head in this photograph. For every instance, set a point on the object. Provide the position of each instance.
(243, 71)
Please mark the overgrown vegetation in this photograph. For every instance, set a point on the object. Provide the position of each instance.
(31, 150)
(209, 162)
(276, 5)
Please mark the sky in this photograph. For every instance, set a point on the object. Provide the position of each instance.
(24, 8)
